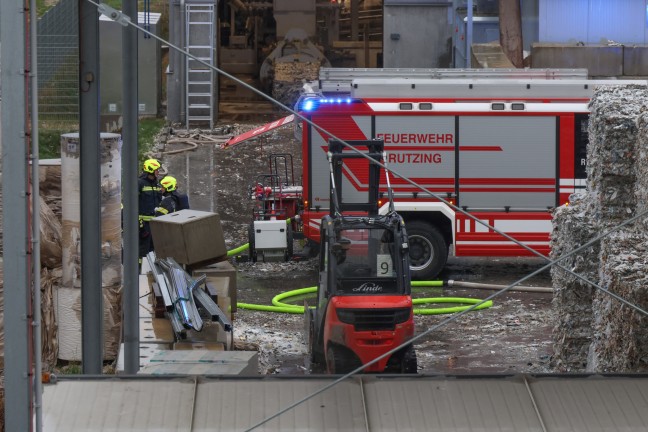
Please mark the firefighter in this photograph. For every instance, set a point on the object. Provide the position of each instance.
(172, 200)
(150, 195)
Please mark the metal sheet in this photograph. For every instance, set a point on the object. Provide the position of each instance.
(492, 403)
(417, 36)
(238, 405)
(593, 404)
(512, 162)
(441, 404)
(89, 406)
(590, 21)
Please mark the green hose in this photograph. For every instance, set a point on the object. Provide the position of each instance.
(468, 302)
(238, 250)
(434, 283)
(280, 307)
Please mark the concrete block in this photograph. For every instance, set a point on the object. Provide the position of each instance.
(599, 60)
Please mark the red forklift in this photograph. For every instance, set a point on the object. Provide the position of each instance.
(364, 303)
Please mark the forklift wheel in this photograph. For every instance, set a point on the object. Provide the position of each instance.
(314, 347)
(403, 361)
(340, 360)
(410, 365)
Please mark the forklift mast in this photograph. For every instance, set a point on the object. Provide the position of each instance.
(337, 160)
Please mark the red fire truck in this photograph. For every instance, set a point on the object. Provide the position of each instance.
(507, 151)
(505, 146)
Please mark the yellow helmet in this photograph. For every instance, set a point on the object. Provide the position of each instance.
(169, 183)
(151, 165)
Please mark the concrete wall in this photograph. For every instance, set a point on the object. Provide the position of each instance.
(599, 60)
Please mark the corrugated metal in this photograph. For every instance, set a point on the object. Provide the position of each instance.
(592, 404)
(239, 405)
(362, 403)
(118, 405)
(622, 21)
(590, 21)
(441, 404)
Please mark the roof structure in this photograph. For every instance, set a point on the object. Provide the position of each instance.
(377, 403)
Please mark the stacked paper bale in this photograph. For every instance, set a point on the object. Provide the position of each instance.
(572, 301)
(611, 152)
(613, 174)
(620, 340)
(617, 183)
(289, 78)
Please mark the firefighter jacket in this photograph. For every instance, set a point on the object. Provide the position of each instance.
(150, 195)
(170, 203)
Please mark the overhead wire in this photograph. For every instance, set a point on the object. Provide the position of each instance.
(124, 20)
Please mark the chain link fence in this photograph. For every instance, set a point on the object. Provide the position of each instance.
(58, 52)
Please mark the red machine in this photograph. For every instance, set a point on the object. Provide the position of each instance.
(364, 305)
(276, 214)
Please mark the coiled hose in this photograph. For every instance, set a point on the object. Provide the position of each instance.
(280, 307)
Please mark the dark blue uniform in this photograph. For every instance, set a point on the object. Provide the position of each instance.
(150, 195)
(171, 202)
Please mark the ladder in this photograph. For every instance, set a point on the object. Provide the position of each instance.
(199, 79)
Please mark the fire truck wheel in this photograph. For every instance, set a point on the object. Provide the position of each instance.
(251, 249)
(427, 249)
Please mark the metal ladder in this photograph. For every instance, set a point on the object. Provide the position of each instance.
(199, 79)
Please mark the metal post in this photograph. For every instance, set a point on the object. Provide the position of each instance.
(36, 221)
(130, 170)
(174, 72)
(469, 34)
(91, 292)
(354, 19)
(18, 363)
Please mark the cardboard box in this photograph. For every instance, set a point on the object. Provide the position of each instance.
(188, 236)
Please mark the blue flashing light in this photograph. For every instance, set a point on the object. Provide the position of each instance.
(312, 104)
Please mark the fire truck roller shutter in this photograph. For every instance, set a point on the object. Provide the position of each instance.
(428, 249)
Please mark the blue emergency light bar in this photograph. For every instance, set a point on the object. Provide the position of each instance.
(311, 104)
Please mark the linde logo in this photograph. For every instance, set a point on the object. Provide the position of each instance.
(368, 287)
